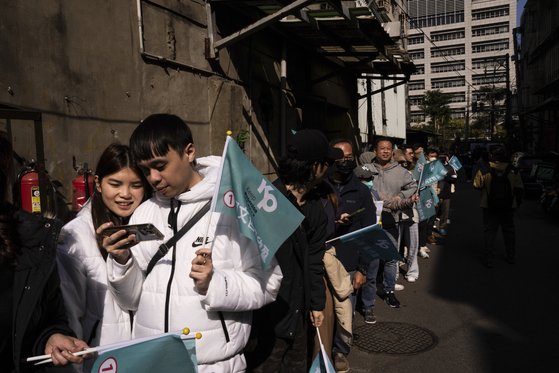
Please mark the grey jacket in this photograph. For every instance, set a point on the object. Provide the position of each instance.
(392, 181)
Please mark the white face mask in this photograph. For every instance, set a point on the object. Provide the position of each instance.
(431, 159)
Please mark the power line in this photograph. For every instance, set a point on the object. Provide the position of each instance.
(445, 57)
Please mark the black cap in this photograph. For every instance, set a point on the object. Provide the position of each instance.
(311, 145)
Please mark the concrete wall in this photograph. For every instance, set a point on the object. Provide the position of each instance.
(79, 63)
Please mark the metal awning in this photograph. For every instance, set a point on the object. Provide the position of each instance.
(340, 31)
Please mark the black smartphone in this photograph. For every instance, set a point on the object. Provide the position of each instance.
(358, 211)
(143, 232)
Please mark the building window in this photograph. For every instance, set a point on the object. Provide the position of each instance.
(489, 46)
(488, 63)
(448, 82)
(493, 12)
(419, 70)
(496, 28)
(416, 100)
(437, 20)
(443, 67)
(412, 40)
(457, 97)
(451, 50)
(457, 114)
(414, 86)
(484, 79)
(417, 116)
(448, 35)
(417, 54)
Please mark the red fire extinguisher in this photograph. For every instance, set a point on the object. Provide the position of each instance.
(29, 190)
(82, 186)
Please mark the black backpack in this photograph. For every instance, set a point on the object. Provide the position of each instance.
(500, 190)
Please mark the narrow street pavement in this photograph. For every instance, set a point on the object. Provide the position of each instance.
(462, 317)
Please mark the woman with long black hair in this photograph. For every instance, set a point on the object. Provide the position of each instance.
(93, 312)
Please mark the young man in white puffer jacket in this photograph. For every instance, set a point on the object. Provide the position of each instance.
(211, 292)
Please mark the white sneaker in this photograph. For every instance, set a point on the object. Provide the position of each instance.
(411, 279)
(423, 254)
(398, 287)
(426, 249)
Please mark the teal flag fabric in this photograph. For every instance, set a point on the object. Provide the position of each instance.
(372, 242)
(426, 204)
(168, 353)
(320, 366)
(454, 162)
(265, 215)
(432, 172)
(419, 166)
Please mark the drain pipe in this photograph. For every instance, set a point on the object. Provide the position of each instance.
(283, 104)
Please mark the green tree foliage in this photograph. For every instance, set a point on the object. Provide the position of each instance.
(435, 105)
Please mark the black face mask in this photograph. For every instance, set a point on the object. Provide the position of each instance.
(345, 167)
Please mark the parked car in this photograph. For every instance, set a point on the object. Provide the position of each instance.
(528, 166)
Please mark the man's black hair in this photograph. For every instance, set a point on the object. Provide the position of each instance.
(406, 146)
(157, 134)
(417, 146)
(380, 139)
(432, 150)
(294, 172)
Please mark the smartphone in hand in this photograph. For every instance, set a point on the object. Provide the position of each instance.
(143, 232)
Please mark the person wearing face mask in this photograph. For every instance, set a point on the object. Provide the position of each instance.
(355, 210)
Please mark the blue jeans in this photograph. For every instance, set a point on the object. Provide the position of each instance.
(369, 289)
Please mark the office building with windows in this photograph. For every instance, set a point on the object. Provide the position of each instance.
(458, 46)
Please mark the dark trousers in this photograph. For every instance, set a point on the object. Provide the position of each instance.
(425, 229)
(281, 355)
(492, 219)
(444, 212)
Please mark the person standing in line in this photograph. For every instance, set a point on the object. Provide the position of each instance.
(93, 312)
(356, 210)
(32, 313)
(395, 186)
(445, 193)
(212, 291)
(501, 194)
(281, 329)
(409, 233)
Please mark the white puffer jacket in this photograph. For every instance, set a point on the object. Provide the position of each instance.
(239, 284)
(91, 308)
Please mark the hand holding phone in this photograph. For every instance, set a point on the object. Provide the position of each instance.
(143, 232)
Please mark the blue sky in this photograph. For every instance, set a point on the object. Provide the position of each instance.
(519, 9)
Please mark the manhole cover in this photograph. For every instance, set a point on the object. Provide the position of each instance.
(393, 338)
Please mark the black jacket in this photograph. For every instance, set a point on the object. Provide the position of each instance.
(352, 195)
(38, 309)
(302, 287)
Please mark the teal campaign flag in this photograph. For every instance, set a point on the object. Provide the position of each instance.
(265, 215)
(426, 204)
(454, 162)
(432, 172)
(372, 242)
(321, 365)
(417, 172)
(167, 353)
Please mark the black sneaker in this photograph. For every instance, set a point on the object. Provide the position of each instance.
(369, 316)
(391, 300)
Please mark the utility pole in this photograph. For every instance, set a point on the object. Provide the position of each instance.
(467, 119)
(508, 112)
(370, 124)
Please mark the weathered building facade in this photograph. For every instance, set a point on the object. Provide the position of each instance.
(93, 70)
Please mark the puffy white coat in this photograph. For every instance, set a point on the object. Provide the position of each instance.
(83, 280)
(239, 283)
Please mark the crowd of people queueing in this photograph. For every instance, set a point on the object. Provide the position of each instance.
(84, 287)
